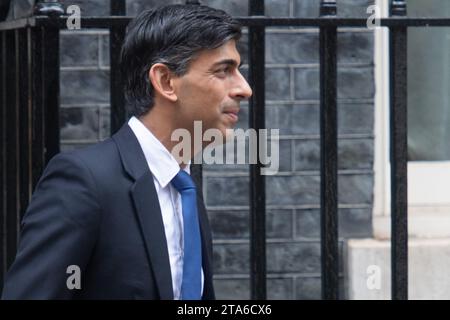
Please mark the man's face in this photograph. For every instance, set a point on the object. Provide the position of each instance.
(212, 89)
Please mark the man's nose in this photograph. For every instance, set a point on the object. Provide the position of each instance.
(241, 89)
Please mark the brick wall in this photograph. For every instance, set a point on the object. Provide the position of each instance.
(292, 93)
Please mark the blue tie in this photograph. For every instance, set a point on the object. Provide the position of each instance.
(191, 283)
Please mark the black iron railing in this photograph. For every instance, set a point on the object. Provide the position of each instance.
(256, 39)
(29, 126)
(328, 154)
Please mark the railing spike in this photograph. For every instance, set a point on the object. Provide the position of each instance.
(50, 8)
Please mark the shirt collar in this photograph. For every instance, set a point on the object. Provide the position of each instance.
(160, 161)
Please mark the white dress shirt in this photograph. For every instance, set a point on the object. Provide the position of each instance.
(164, 168)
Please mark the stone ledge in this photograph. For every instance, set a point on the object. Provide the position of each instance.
(369, 258)
(423, 223)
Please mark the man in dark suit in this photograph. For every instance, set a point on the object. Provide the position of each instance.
(108, 221)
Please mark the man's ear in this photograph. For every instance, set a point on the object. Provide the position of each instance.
(162, 81)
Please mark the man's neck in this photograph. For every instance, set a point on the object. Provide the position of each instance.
(153, 121)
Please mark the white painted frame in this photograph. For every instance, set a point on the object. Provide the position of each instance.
(428, 182)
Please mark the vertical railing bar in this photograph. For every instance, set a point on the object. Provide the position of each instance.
(257, 181)
(399, 155)
(45, 108)
(37, 104)
(118, 7)
(12, 146)
(24, 141)
(328, 158)
(2, 157)
(116, 36)
(29, 110)
(50, 84)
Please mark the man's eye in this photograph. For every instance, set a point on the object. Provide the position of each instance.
(223, 71)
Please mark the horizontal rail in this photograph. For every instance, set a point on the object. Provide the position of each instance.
(252, 21)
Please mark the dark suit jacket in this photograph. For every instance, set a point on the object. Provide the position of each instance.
(97, 208)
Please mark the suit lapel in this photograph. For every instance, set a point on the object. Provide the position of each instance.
(148, 211)
(152, 228)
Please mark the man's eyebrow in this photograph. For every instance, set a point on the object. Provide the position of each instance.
(230, 62)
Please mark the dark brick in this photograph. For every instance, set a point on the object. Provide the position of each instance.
(355, 154)
(354, 223)
(293, 119)
(301, 257)
(226, 191)
(292, 190)
(236, 224)
(305, 189)
(308, 288)
(277, 84)
(433, 9)
(298, 257)
(229, 224)
(307, 155)
(352, 154)
(355, 47)
(306, 83)
(79, 124)
(292, 48)
(104, 50)
(303, 119)
(231, 258)
(355, 118)
(306, 8)
(232, 7)
(232, 289)
(276, 8)
(307, 223)
(80, 87)
(279, 289)
(352, 83)
(279, 224)
(356, 83)
(79, 49)
(354, 8)
(355, 189)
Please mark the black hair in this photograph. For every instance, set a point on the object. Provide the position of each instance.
(172, 35)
